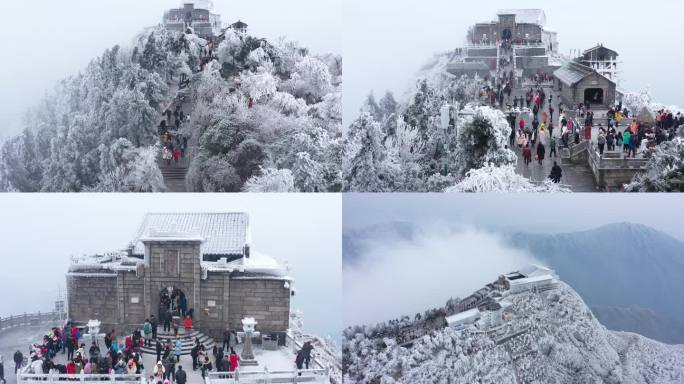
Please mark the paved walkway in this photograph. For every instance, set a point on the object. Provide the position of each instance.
(20, 338)
(174, 173)
(577, 177)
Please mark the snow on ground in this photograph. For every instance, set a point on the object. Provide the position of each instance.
(549, 337)
(19, 338)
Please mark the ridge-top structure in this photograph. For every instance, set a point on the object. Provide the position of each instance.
(195, 14)
(517, 42)
(200, 264)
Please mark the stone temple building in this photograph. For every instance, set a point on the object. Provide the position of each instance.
(534, 45)
(578, 83)
(196, 15)
(204, 260)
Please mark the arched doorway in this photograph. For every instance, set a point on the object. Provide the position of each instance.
(593, 96)
(172, 302)
(507, 34)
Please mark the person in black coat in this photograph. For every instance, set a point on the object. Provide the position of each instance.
(2, 370)
(306, 349)
(556, 173)
(541, 152)
(194, 352)
(159, 350)
(18, 361)
(181, 376)
(155, 325)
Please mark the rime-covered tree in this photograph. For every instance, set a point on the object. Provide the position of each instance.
(271, 180)
(482, 140)
(368, 169)
(664, 169)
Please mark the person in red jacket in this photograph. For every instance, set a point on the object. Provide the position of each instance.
(234, 360)
(187, 324)
(71, 369)
(527, 154)
(176, 154)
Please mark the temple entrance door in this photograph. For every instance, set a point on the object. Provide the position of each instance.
(507, 34)
(593, 96)
(172, 302)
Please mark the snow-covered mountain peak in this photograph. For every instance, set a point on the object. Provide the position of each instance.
(540, 332)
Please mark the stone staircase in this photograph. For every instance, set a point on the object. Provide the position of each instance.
(188, 339)
(174, 174)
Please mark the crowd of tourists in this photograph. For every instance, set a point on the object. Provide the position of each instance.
(92, 359)
(174, 144)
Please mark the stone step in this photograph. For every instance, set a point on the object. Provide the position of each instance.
(174, 171)
(188, 342)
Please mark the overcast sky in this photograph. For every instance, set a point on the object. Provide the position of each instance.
(47, 40)
(548, 213)
(458, 249)
(387, 41)
(41, 231)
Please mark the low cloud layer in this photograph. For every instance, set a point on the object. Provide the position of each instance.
(397, 277)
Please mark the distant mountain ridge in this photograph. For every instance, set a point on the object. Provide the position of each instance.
(623, 268)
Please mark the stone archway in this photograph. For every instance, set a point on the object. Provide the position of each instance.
(172, 302)
(507, 34)
(593, 96)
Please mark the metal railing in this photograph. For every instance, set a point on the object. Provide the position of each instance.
(80, 378)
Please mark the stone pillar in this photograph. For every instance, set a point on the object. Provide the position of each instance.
(248, 326)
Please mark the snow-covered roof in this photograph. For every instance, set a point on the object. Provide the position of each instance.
(200, 4)
(463, 317)
(525, 16)
(536, 270)
(599, 47)
(533, 279)
(256, 263)
(221, 233)
(102, 264)
(572, 73)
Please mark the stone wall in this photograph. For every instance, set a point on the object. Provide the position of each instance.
(482, 52)
(490, 62)
(532, 62)
(214, 300)
(131, 300)
(172, 264)
(268, 301)
(484, 29)
(597, 81)
(123, 300)
(534, 31)
(530, 51)
(92, 297)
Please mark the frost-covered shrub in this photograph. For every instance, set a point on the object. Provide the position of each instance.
(271, 180)
(664, 169)
(504, 179)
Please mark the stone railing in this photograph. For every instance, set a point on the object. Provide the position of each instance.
(613, 160)
(30, 319)
(266, 376)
